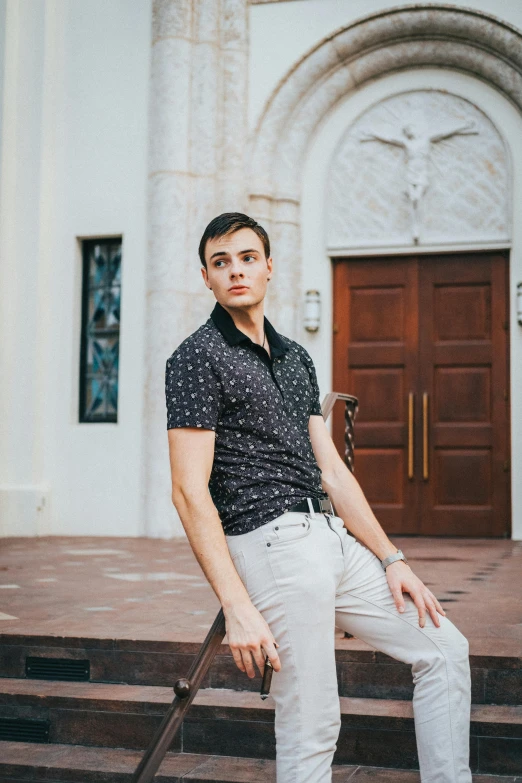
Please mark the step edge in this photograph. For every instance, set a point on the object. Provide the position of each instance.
(234, 700)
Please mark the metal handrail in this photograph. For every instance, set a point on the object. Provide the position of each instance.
(186, 688)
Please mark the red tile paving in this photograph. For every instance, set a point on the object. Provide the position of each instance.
(154, 589)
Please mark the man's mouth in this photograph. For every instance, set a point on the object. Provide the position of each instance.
(239, 288)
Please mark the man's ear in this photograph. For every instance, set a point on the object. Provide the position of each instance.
(205, 277)
(269, 262)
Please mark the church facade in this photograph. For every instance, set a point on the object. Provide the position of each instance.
(379, 144)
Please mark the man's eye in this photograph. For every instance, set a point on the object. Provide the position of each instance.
(252, 257)
(219, 262)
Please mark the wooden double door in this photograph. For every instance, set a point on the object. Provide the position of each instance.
(422, 341)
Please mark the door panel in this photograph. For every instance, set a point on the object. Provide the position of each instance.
(374, 349)
(463, 369)
(432, 328)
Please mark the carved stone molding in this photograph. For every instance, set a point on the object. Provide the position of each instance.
(396, 39)
(423, 166)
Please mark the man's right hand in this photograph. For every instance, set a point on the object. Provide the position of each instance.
(249, 635)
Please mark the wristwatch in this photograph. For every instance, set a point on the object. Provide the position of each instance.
(392, 558)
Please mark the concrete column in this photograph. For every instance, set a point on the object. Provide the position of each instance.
(197, 138)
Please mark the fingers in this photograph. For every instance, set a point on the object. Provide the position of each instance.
(432, 610)
(269, 649)
(419, 603)
(242, 658)
(246, 655)
(424, 600)
(247, 660)
(436, 608)
(439, 607)
(237, 658)
(427, 602)
(398, 598)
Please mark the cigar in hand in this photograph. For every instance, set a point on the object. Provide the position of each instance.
(267, 678)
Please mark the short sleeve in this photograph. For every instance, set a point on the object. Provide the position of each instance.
(193, 392)
(315, 409)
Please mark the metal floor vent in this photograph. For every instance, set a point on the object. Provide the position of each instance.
(24, 730)
(57, 669)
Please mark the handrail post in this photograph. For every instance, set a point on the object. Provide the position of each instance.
(185, 690)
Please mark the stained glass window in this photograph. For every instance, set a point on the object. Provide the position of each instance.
(100, 334)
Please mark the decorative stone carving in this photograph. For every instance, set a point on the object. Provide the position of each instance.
(435, 35)
(423, 166)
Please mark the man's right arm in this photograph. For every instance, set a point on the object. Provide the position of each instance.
(191, 453)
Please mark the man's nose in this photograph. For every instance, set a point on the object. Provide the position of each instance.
(235, 270)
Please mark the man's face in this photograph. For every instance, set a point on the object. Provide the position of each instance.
(237, 269)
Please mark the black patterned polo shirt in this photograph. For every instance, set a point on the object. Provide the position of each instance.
(259, 407)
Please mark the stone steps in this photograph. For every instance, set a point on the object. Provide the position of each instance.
(221, 721)
(106, 722)
(74, 764)
(361, 672)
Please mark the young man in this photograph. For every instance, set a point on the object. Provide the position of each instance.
(254, 470)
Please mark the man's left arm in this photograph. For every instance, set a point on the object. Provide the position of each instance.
(351, 505)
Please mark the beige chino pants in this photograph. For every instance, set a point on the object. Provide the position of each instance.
(307, 575)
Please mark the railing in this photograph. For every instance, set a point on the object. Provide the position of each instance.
(186, 688)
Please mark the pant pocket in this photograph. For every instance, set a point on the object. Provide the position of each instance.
(287, 531)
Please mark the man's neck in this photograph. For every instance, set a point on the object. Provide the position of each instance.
(250, 320)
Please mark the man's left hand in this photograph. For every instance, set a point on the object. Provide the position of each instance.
(402, 579)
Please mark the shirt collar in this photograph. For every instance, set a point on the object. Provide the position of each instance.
(225, 323)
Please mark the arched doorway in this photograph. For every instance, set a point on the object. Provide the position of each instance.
(421, 338)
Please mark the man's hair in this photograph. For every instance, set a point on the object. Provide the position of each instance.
(228, 223)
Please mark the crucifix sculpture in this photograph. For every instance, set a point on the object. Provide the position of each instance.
(417, 145)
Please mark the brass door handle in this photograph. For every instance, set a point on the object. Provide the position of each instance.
(411, 420)
(425, 470)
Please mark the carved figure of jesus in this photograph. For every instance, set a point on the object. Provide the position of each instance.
(417, 145)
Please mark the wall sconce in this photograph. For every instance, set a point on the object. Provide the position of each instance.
(312, 311)
(519, 303)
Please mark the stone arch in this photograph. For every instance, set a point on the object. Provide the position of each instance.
(392, 40)
(396, 39)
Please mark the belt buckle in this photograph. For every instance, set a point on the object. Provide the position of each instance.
(325, 505)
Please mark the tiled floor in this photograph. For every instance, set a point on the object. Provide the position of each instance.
(155, 589)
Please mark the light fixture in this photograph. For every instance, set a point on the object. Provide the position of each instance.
(312, 311)
(519, 303)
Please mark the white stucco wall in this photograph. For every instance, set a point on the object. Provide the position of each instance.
(3, 11)
(107, 48)
(78, 80)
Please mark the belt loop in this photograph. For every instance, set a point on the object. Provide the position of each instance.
(310, 506)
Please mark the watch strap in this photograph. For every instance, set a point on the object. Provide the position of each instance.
(392, 558)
